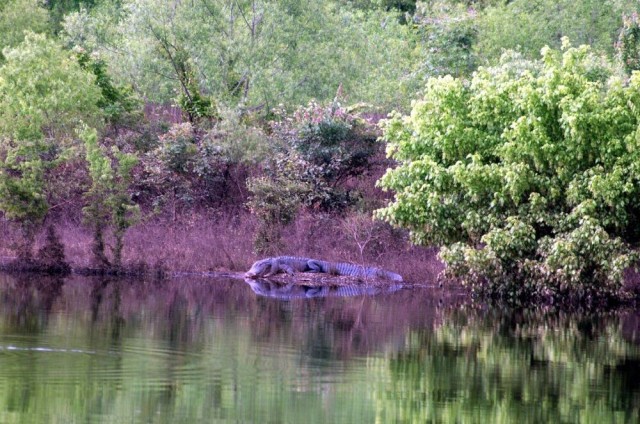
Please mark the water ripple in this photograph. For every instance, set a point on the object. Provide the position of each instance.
(11, 348)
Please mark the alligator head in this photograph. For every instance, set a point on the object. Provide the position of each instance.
(259, 269)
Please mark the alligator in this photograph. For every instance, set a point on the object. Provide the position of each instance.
(290, 291)
(291, 264)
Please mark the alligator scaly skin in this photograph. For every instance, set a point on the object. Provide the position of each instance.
(291, 264)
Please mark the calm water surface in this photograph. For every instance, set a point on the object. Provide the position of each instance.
(186, 351)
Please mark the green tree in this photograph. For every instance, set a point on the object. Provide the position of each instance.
(45, 96)
(18, 16)
(447, 36)
(109, 202)
(628, 45)
(528, 174)
(253, 54)
(118, 103)
(529, 25)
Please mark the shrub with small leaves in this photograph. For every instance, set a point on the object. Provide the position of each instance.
(322, 147)
(528, 174)
(628, 44)
(275, 203)
(109, 201)
(187, 167)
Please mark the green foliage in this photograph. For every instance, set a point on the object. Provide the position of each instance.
(192, 167)
(322, 147)
(118, 104)
(59, 8)
(46, 94)
(194, 104)
(528, 175)
(317, 150)
(241, 136)
(529, 25)
(447, 34)
(109, 202)
(628, 45)
(408, 6)
(23, 187)
(253, 54)
(18, 16)
(274, 202)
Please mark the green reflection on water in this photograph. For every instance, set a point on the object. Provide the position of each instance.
(91, 350)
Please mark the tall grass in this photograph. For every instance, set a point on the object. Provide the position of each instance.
(224, 242)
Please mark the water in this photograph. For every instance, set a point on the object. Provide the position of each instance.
(108, 351)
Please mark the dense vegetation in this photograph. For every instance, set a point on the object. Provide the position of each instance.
(527, 173)
(525, 168)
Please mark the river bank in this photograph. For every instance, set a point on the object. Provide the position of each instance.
(222, 244)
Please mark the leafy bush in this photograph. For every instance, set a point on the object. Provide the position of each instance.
(192, 167)
(628, 45)
(109, 201)
(322, 147)
(529, 25)
(275, 203)
(317, 149)
(447, 34)
(45, 95)
(528, 174)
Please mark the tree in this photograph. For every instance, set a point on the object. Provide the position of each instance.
(316, 150)
(109, 203)
(628, 45)
(252, 54)
(45, 95)
(18, 16)
(529, 25)
(528, 175)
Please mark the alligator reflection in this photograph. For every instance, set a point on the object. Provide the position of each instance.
(290, 291)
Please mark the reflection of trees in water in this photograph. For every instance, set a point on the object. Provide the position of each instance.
(517, 366)
(105, 293)
(429, 355)
(27, 300)
(341, 328)
(178, 313)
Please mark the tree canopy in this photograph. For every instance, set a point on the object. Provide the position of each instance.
(45, 96)
(528, 174)
(256, 53)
